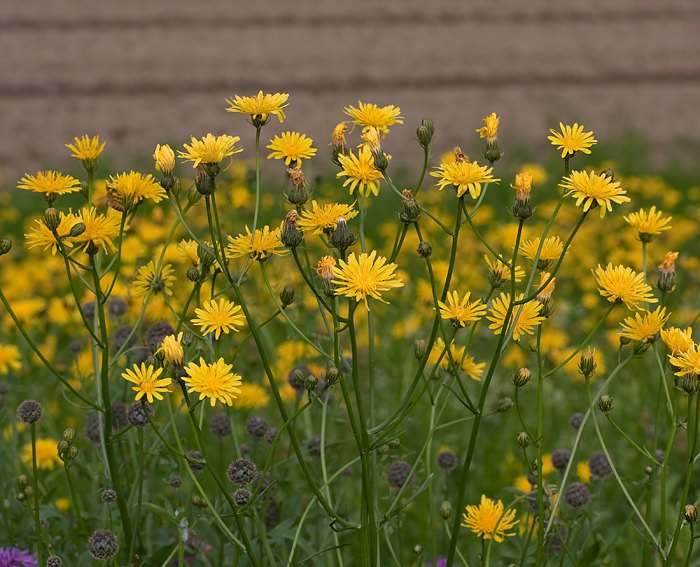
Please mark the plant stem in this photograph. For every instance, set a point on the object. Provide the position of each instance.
(35, 486)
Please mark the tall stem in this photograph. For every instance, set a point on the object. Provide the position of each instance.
(257, 178)
(35, 486)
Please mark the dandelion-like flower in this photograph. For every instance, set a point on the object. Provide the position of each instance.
(592, 189)
(370, 115)
(219, 316)
(87, 150)
(146, 381)
(677, 340)
(461, 312)
(490, 128)
(365, 276)
(644, 326)
(338, 135)
(467, 363)
(324, 268)
(523, 185)
(291, 147)
(324, 218)
(99, 230)
(10, 358)
(464, 176)
(148, 279)
(187, 252)
(360, 172)
(260, 106)
(210, 149)
(499, 273)
(489, 520)
(572, 139)
(46, 453)
(213, 381)
(620, 284)
(164, 158)
(687, 362)
(171, 349)
(50, 183)
(127, 190)
(648, 223)
(259, 246)
(552, 249)
(39, 235)
(527, 315)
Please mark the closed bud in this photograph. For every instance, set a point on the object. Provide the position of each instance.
(381, 162)
(586, 363)
(419, 347)
(77, 229)
(206, 255)
(648, 471)
(22, 481)
(6, 246)
(199, 502)
(689, 384)
(193, 196)
(291, 235)
(609, 173)
(384, 450)
(690, 514)
(310, 382)
(523, 440)
(204, 182)
(411, 208)
(69, 435)
(212, 169)
(52, 218)
(493, 152)
(287, 295)
(332, 375)
(418, 549)
(425, 250)
(625, 341)
(504, 404)
(521, 377)
(72, 453)
(193, 274)
(342, 237)
(445, 509)
(640, 347)
(63, 447)
(425, 133)
(605, 403)
(395, 443)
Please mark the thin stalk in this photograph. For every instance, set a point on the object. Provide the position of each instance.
(35, 486)
(257, 177)
(139, 497)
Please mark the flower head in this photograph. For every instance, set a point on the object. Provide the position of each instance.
(370, 115)
(146, 381)
(39, 236)
(50, 183)
(324, 218)
(572, 139)
(99, 230)
(620, 284)
(677, 340)
(644, 326)
(464, 176)
(324, 268)
(164, 157)
(210, 149)
(526, 316)
(490, 128)
(171, 349)
(259, 107)
(46, 453)
(461, 312)
(648, 224)
(87, 150)
(457, 357)
(592, 189)
(523, 185)
(219, 316)
(499, 273)
(489, 520)
(10, 358)
(552, 249)
(149, 280)
(365, 276)
(259, 246)
(291, 147)
(15, 557)
(360, 172)
(214, 381)
(687, 362)
(127, 190)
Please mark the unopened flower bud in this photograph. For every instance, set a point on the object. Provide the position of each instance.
(193, 196)
(648, 470)
(342, 237)
(204, 182)
(523, 440)
(425, 133)
(666, 274)
(77, 229)
(287, 295)
(291, 236)
(395, 443)
(605, 403)
(419, 347)
(609, 173)
(310, 382)
(640, 347)
(332, 375)
(297, 194)
(52, 218)
(22, 481)
(193, 274)
(411, 208)
(72, 453)
(62, 448)
(418, 549)
(521, 377)
(198, 501)
(690, 514)
(445, 510)
(504, 404)
(425, 250)
(381, 162)
(689, 384)
(69, 435)
(586, 363)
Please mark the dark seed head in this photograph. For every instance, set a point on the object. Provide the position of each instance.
(256, 427)
(447, 460)
(576, 420)
(195, 461)
(560, 459)
(219, 425)
(241, 497)
(103, 545)
(397, 474)
(29, 411)
(138, 414)
(577, 495)
(242, 471)
(599, 465)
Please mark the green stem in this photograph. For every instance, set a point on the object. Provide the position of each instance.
(35, 486)
(257, 177)
(139, 480)
(539, 445)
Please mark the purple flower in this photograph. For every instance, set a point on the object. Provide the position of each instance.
(15, 557)
(439, 562)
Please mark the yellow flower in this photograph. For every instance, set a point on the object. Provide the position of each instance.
(323, 218)
(620, 284)
(39, 236)
(148, 279)
(371, 137)
(552, 249)
(370, 115)
(360, 172)
(214, 381)
(10, 359)
(469, 366)
(252, 396)
(363, 276)
(583, 471)
(259, 107)
(500, 273)
(489, 520)
(460, 313)
(464, 176)
(164, 157)
(219, 316)
(187, 252)
(99, 230)
(527, 315)
(127, 190)
(147, 382)
(338, 135)
(259, 246)
(592, 189)
(46, 453)
(677, 340)
(648, 224)
(50, 183)
(523, 185)
(62, 504)
(291, 147)
(172, 350)
(324, 268)
(644, 326)
(86, 149)
(687, 362)
(572, 139)
(210, 149)
(490, 128)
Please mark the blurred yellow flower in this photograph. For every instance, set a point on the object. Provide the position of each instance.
(46, 453)
(591, 190)
(148, 280)
(251, 396)
(10, 358)
(210, 149)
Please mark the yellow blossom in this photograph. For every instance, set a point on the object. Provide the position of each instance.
(489, 520)
(370, 115)
(572, 139)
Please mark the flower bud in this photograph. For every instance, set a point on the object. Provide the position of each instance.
(310, 382)
(69, 435)
(72, 453)
(640, 347)
(291, 235)
(297, 195)
(193, 196)
(411, 208)
(332, 375)
(62, 448)
(605, 403)
(609, 173)
(204, 182)
(77, 229)
(395, 443)
(445, 510)
(666, 274)
(287, 295)
(689, 384)
(418, 549)
(425, 133)
(22, 481)
(521, 377)
(52, 218)
(193, 274)
(381, 162)
(425, 250)
(586, 363)
(523, 440)
(419, 347)
(690, 514)
(504, 404)
(342, 237)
